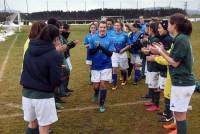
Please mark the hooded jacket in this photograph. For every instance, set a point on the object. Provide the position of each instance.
(41, 67)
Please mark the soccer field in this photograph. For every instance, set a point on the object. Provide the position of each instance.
(125, 113)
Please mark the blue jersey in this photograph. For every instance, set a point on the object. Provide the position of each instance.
(101, 61)
(135, 42)
(120, 40)
(110, 31)
(97, 31)
(143, 27)
(87, 40)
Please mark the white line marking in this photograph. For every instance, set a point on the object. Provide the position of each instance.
(69, 110)
(6, 59)
(10, 116)
(96, 107)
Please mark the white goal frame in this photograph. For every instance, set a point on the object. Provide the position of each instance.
(115, 18)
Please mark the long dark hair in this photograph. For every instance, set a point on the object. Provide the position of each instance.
(49, 33)
(137, 25)
(183, 25)
(36, 29)
(154, 27)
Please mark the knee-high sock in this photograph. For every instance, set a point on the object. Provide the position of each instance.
(157, 98)
(121, 72)
(167, 108)
(130, 67)
(65, 84)
(181, 127)
(153, 96)
(96, 92)
(124, 74)
(143, 67)
(114, 78)
(102, 98)
(137, 75)
(150, 93)
(32, 130)
(90, 75)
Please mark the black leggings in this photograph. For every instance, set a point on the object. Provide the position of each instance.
(130, 68)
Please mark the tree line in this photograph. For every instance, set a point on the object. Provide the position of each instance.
(96, 14)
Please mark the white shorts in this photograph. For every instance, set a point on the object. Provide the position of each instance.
(180, 98)
(153, 79)
(135, 59)
(101, 75)
(44, 110)
(120, 60)
(162, 81)
(147, 77)
(88, 62)
(69, 64)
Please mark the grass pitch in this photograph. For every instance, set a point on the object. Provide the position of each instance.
(125, 113)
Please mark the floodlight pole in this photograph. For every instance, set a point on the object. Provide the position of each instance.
(170, 2)
(67, 5)
(4, 5)
(85, 8)
(27, 12)
(103, 6)
(26, 6)
(186, 5)
(47, 9)
(120, 7)
(47, 6)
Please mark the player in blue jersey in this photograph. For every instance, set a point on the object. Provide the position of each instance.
(142, 24)
(110, 27)
(119, 58)
(87, 39)
(135, 49)
(101, 49)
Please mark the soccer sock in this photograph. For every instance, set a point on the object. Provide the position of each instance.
(137, 75)
(124, 74)
(32, 130)
(150, 92)
(96, 92)
(181, 127)
(102, 99)
(167, 108)
(153, 96)
(143, 67)
(114, 77)
(121, 72)
(67, 83)
(90, 76)
(157, 98)
(130, 67)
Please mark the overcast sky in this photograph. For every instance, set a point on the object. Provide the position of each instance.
(41, 5)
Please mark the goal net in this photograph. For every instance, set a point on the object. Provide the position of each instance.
(12, 24)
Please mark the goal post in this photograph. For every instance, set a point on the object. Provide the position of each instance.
(114, 18)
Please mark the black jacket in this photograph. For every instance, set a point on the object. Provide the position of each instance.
(41, 67)
(167, 41)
